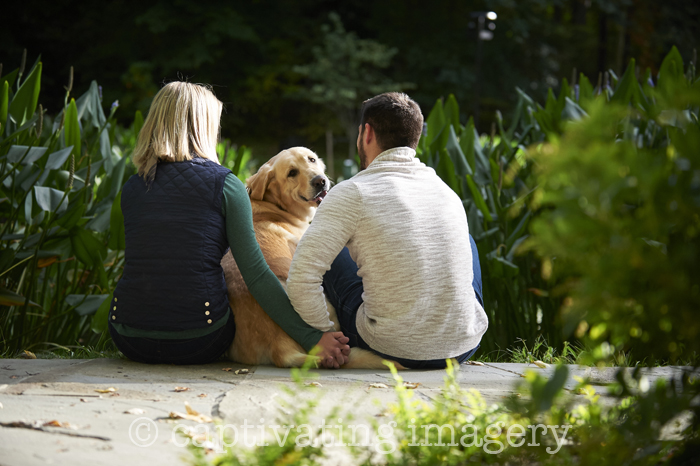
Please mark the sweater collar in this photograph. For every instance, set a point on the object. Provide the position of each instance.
(396, 154)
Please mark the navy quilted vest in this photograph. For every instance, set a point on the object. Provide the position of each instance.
(175, 239)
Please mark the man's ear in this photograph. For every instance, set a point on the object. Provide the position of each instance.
(257, 184)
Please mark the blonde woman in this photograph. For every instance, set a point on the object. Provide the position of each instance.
(182, 211)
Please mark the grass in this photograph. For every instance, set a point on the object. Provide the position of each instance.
(520, 353)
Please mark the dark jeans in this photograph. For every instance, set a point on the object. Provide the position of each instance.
(344, 291)
(200, 350)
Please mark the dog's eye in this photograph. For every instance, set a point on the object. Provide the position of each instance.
(293, 172)
(312, 160)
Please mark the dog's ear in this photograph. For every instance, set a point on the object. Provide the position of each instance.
(257, 184)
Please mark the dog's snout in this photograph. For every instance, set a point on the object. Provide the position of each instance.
(319, 181)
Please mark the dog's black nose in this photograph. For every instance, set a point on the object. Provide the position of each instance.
(319, 182)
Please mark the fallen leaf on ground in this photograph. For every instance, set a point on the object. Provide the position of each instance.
(202, 395)
(13, 376)
(227, 369)
(378, 385)
(314, 384)
(241, 371)
(134, 411)
(411, 385)
(107, 390)
(540, 364)
(56, 423)
(474, 363)
(191, 415)
(27, 355)
(3, 386)
(181, 389)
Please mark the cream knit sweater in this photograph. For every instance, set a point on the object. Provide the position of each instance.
(407, 231)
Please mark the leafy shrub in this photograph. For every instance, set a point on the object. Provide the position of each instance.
(618, 204)
(62, 239)
(611, 203)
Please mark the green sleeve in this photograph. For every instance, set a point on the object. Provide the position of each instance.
(261, 281)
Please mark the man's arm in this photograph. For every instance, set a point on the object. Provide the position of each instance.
(332, 227)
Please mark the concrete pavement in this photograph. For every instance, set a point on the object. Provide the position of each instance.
(103, 411)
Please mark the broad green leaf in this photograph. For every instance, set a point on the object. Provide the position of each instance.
(50, 199)
(586, 93)
(100, 220)
(86, 304)
(71, 128)
(518, 231)
(451, 112)
(455, 151)
(10, 298)
(27, 177)
(564, 93)
(117, 240)
(436, 122)
(24, 103)
(89, 107)
(466, 142)
(98, 324)
(106, 152)
(672, 66)
(446, 170)
(58, 158)
(138, 123)
(72, 215)
(479, 199)
(628, 89)
(28, 155)
(87, 247)
(117, 178)
(9, 78)
(4, 99)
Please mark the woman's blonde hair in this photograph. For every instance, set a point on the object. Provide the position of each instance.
(182, 123)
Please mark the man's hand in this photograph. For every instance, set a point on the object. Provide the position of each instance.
(334, 350)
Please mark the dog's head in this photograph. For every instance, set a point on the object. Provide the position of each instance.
(294, 180)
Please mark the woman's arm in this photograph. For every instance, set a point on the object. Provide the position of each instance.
(261, 281)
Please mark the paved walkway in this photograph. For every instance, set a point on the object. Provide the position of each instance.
(52, 412)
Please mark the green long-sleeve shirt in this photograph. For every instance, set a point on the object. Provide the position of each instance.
(260, 280)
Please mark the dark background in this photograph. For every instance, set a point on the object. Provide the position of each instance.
(247, 49)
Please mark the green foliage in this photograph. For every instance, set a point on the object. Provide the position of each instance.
(458, 426)
(618, 202)
(494, 180)
(345, 71)
(61, 179)
(611, 201)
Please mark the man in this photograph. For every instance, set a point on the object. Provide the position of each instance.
(404, 275)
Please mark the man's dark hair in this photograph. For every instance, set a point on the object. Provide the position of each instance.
(396, 119)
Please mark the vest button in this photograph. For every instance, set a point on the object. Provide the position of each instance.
(115, 300)
(209, 321)
(206, 313)
(206, 304)
(114, 317)
(114, 308)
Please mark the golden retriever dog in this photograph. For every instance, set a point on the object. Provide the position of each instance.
(284, 194)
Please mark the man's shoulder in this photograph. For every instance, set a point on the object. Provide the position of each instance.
(344, 189)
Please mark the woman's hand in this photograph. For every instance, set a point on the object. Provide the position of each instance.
(334, 350)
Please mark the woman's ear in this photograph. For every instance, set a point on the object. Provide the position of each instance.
(257, 184)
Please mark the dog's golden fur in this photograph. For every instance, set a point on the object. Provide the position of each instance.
(284, 195)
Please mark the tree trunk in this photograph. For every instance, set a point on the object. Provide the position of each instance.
(351, 132)
(330, 164)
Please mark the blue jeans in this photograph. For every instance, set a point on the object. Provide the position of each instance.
(344, 289)
(200, 350)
